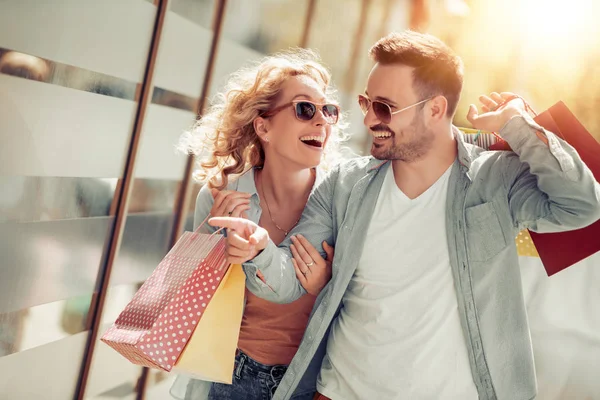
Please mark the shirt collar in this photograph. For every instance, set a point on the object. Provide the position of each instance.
(465, 157)
(247, 184)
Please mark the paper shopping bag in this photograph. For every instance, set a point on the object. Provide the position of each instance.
(563, 249)
(155, 326)
(210, 352)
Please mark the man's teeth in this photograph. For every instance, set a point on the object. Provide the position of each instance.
(315, 138)
(382, 135)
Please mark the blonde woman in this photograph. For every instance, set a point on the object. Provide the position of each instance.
(265, 136)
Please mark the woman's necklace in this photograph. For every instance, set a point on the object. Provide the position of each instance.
(262, 193)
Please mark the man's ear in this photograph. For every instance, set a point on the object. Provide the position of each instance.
(438, 106)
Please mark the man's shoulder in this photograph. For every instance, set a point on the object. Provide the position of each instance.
(348, 172)
(489, 165)
(358, 166)
(342, 179)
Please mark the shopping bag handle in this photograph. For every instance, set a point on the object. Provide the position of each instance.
(508, 100)
(204, 222)
(513, 97)
(209, 215)
(214, 233)
(500, 106)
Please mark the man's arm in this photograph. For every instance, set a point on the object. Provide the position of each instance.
(275, 263)
(549, 187)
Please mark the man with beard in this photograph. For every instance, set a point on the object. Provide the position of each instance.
(425, 301)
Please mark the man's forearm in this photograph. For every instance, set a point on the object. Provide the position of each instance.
(281, 284)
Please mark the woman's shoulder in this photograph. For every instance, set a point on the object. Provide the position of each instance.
(240, 182)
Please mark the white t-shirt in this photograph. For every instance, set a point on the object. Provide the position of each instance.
(398, 335)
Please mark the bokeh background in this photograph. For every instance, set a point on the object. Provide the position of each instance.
(94, 95)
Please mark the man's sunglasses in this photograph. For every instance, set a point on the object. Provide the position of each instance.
(306, 110)
(382, 111)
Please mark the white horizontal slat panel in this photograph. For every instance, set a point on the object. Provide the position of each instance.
(160, 391)
(48, 130)
(48, 372)
(182, 56)
(157, 156)
(230, 57)
(110, 36)
(109, 369)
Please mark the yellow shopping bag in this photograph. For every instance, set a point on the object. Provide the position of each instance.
(210, 353)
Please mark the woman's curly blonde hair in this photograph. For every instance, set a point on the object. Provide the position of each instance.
(224, 139)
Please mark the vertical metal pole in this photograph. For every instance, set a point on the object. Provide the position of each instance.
(310, 13)
(350, 78)
(121, 203)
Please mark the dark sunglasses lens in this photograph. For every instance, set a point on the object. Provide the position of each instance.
(382, 111)
(305, 110)
(331, 113)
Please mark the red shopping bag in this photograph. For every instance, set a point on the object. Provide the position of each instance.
(156, 325)
(563, 249)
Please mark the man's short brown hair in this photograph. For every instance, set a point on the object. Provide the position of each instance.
(437, 69)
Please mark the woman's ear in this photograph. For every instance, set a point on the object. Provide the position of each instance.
(261, 128)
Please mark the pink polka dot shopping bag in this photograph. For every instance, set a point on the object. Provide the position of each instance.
(186, 316)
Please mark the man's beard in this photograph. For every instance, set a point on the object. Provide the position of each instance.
(409, 151)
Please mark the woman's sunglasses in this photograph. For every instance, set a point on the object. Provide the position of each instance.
(306, 110)
(382, 111)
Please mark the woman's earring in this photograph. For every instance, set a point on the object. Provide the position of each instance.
(266, 138)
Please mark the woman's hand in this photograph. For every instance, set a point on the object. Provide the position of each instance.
(312, 270)
(245, 239)
(229, 203)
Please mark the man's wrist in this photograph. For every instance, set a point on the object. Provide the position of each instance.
(507, 116)
(509, 113)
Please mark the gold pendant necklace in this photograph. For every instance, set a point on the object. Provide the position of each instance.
(262, 193)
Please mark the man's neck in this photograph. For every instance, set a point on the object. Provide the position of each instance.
(414, 178)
